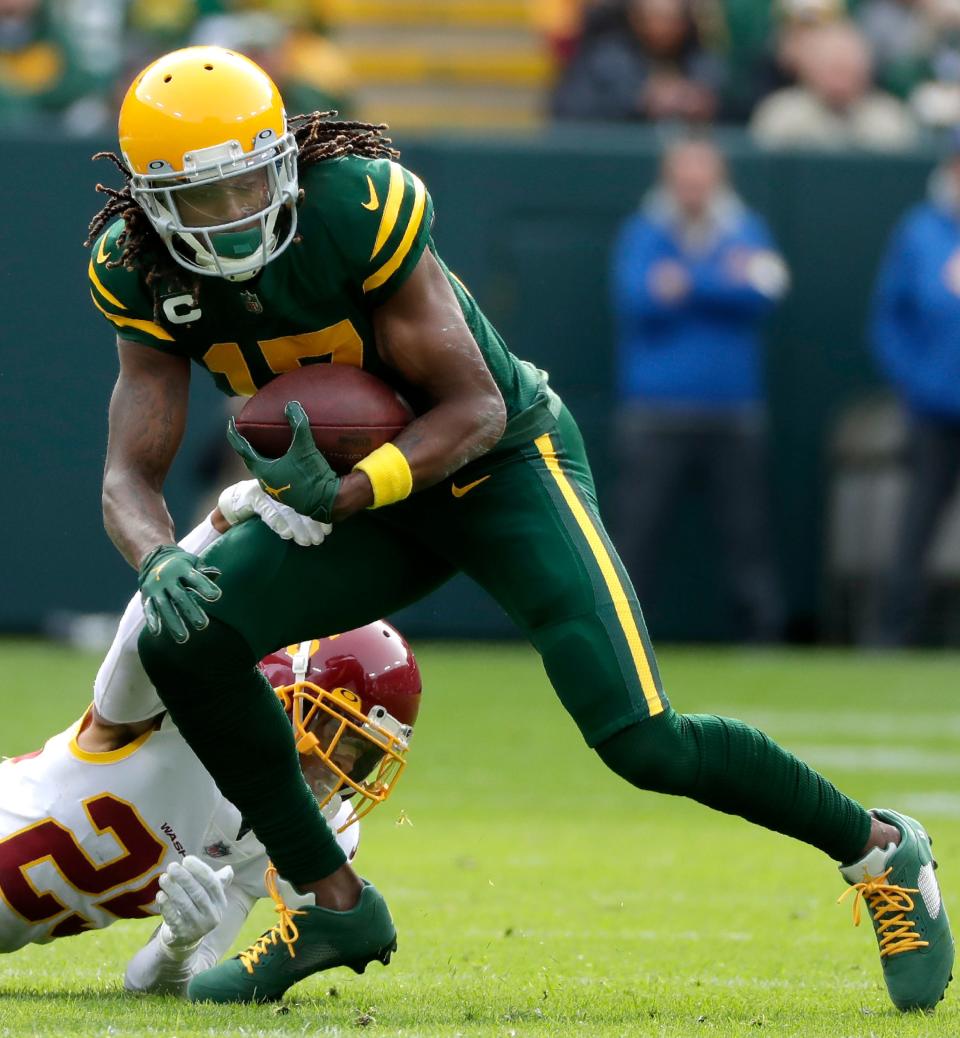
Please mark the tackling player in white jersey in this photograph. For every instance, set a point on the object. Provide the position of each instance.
(116, 818)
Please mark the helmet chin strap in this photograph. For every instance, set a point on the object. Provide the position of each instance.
(244, 277)
(202, 256)
(301, 662)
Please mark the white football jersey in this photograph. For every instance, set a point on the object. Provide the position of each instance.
(85, 836)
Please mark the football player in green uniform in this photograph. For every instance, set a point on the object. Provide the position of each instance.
(253, 246)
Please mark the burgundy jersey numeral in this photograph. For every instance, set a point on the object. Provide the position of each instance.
(48, 840)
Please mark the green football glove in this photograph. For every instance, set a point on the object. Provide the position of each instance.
(171, 583)
(302, 478)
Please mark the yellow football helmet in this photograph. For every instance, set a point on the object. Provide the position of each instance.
(212, 162)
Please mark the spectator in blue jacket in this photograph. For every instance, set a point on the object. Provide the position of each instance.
(915, 331)
(694, 274)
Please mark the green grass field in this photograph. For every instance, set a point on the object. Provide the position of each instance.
(535, 894)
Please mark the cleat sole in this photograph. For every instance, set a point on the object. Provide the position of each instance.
(382, 956)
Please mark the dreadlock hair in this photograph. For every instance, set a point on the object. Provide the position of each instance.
(320, 136)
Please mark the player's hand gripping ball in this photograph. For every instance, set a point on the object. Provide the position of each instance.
(302, 478)
(337, 415)
(351, 413)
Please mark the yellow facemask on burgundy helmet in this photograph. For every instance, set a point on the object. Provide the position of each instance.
(352, 699)
(212, 162)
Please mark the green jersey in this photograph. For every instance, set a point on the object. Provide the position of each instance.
(363, 226)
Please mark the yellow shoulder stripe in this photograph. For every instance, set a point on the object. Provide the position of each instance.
(391, 209)
(609, 572)
(150, 327)
(101, 287)
(393, 264)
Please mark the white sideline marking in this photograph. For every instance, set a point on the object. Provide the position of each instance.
(939, 803)
(880, 725)
(879, 758)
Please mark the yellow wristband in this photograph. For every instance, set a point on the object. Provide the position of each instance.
(389, 474)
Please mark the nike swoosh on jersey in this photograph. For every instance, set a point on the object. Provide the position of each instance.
(102, 255)
(460, 491)
(374, 204)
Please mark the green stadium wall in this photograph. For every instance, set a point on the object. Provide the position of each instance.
(528, 224)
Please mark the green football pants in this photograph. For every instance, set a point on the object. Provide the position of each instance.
(523, 524)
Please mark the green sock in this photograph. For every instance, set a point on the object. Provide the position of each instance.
(734, 768)
(234, 722)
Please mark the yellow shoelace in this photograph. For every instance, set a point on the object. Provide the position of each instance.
(284, 930)
(887, 904)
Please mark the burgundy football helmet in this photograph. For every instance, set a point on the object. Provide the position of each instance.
(352, 699)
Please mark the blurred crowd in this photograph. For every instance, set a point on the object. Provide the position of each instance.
(67, 62)
(694, 273)
(808, 73)
(804, 73)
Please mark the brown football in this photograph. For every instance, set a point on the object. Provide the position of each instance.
(351, 413)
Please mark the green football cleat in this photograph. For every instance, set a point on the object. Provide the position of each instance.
(916, 945)
(320, 939)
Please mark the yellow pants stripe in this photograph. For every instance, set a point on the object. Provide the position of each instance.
(609, 572)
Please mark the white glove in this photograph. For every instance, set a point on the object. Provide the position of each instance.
(192, 901)
(245, 500)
